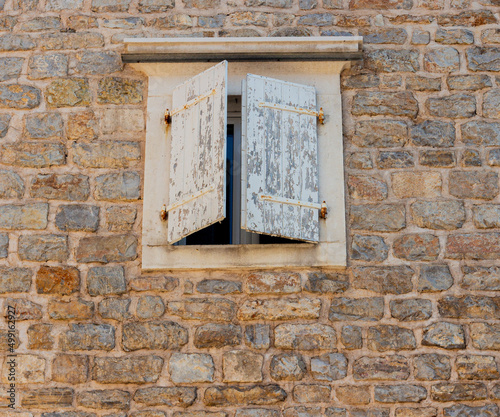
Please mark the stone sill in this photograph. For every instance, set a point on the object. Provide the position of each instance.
(324, 48)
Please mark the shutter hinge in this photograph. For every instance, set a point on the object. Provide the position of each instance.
(164, 213)
(321, 116)
(323, 211)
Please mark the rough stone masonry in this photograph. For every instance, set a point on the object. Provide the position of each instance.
(410, 329)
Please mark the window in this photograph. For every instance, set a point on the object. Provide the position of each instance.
(245, 57)
(279, 192)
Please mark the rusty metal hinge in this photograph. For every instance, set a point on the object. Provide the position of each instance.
(323, 212)
(164, 213)
(321, 116)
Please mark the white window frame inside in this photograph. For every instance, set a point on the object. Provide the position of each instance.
(302, 63)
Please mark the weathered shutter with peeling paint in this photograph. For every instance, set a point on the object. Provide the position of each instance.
(280, 159)
(197, 195)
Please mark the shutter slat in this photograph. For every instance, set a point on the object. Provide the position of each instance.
(309, 143)
(255, 167)
(198, 154)
(201, 209)
(220, 131)
(292, 167)
(281, 155)
(273, 158)
(244, 182)
(177, 152)
(191, 175)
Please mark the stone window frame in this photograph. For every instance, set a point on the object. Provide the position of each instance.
(316, 61)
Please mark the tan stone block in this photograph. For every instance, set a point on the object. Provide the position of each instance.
(416, 184)
(122, 120)
(485, 335)
(217, 335)
(400, 393)
(81, 126)
(71, 309)
(188, 368)
(29, 369)
(63, 280)
(366, 187)
(312, 393)
(473, 246)
(153, 335)
(353, 395)
(66, 92)
(106, 154)
(381, 4)
(47, 398)
(104, 399)
(25, 309)
(273, 283)
(40, 337)
(70, 369)
(117, 90)
(121, 218)
(148, 413)
(280, 309)
(474, 184)
(444, 335)
(387, 337)
(459, 391)
(158, 283)
(60, 187)
(255, 394)
(305, 336)
(416, 412)
(393, 367)
(417, 247)
(127, 369)
(477, 367)
(15, 279)
(219, 309)
(287, 367)
(242, 366)
(166, 396)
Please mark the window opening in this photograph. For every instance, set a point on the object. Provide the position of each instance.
(229, 231)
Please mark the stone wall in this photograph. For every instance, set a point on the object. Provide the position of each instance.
(410, 329)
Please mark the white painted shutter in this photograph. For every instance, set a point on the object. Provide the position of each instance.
(280, 159)
(197, 192)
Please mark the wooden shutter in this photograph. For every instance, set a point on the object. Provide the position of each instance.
(280, 159)
(197, 195)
